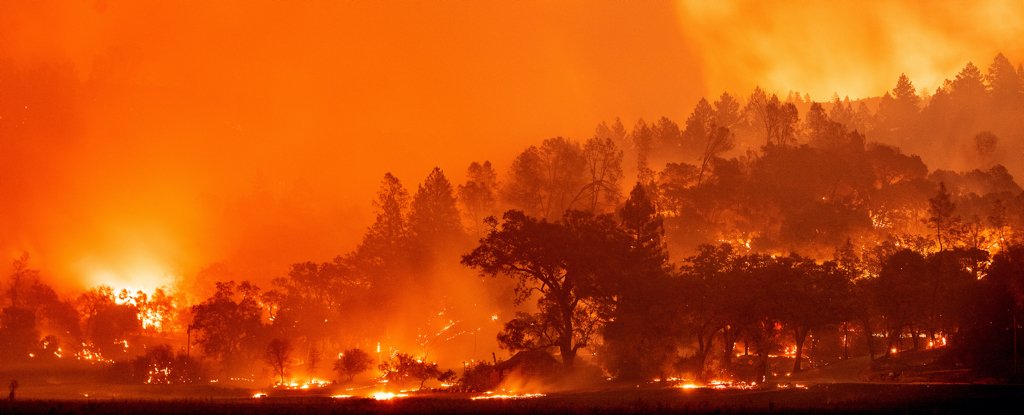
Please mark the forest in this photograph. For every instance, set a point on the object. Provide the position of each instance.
(760, 237)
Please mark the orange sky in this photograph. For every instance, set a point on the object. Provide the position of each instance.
(139, 141)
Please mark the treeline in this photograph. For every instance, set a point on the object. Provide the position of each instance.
(748, 225)
(603, 283)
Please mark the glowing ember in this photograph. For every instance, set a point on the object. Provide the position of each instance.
(259, 395)
(719, 384)
(88, 353)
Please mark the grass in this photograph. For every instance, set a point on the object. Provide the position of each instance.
(837, 398)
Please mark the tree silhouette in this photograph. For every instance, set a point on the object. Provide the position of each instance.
(1006, 84)
(547, 180)
(564, 263)
(278, 355)
(940, 215)
(727, 111)
(228, 323)
(353, 362)
(478, 196)
(604, 170)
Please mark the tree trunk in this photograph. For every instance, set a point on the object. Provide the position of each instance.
(703, 346)
(762, 363)
(728, 346)
(869, 336)
(894, 341)
(800, 336)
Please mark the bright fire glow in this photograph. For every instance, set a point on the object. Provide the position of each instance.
(719, 384)
(294, 384)
(492, 395)
(387, 396)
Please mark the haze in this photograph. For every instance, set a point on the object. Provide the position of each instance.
(144, 141)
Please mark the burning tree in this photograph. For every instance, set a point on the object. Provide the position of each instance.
(404, 367)
(161, 366)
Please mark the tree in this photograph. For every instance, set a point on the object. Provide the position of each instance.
(816, 296)
(353, 362)
(433, 216)
(968, 88)
(110, 318)
(821, 131)
(228, 323)
(667, 139)
(756, 111)
(21, 277)
(900, 293)
(640, 218)
(898, 109)
(699, 126)
(404, 367)
(278, 355)
(1006, 84)
(781, 121)
(940, 214)
(313, 361)
(642, 138)
(905, 95)
(390, 226)
(382, 254)
(478, 195)
(18, 333)
(604, 169)
(313, 300)
(1002, 304)
(547, 180)
(564, 263)
(717, 141)
(727, 111)
(707, 283)
(641, 335)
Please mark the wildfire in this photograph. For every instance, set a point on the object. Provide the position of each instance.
(158, 375)
(492, 395)
(87, 353)
(719, 385)
(387, 396)
(296, 385)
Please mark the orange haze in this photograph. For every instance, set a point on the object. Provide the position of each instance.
(145, 140)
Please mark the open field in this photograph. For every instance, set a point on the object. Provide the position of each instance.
(843, 398)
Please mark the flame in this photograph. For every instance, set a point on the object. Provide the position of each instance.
(387, 396)
(718, 384)
(302, 385)
(492, 395)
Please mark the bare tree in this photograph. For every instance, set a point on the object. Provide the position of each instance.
(278, 355)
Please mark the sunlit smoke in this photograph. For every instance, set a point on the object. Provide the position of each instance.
(852, 48)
